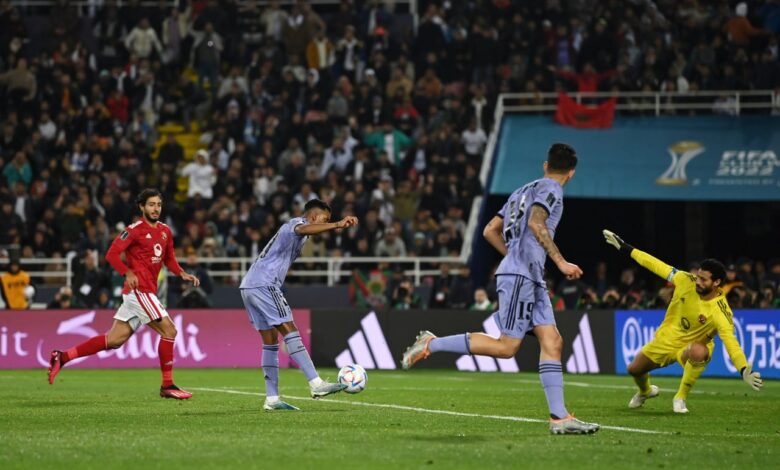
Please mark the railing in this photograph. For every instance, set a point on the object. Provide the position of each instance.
(171, 3)
(331, 269)
(56, 263)
(660, 103)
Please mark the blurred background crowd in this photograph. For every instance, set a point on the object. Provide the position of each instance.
(241, 113)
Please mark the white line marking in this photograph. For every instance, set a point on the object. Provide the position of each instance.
(426, 410)
(567, 383)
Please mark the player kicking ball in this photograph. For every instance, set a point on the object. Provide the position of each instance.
(523, 233)
(147, 244)
(697, 312)
(268, 310)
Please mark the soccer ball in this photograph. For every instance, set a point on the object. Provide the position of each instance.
(354, 377)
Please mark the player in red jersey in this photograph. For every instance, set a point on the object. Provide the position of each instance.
(147, 244)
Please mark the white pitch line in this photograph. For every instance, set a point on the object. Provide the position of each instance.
(426, 410)
(567, 383)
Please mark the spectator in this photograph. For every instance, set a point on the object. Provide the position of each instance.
(611, 298)
(349, 53)
(744, 273)
(192, 266)
(462, 288)
(474, 140)
(481, 301)
(601, 282)
(118, 106)
(193, 297)
(320, 53)
(629, 281)
(174, 32)
(555, 300)
(16, 287)
(24, 206)
(571, 291)
(767, 296)
(390, 140)
(399, 82)
(337, 156)
(18, 170)
(20, 84)
(206, 56)
(202, 176)
(142, 40)
(739, 29)
(89, 281)
(234, 81)
(429, 86)
(588, 80)
(405, 298)
(405, 203)
(391, 245)
(63, 299)
(273, 19)
(171, 153)
(382, 199)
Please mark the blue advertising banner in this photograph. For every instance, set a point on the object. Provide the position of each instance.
(758, 331)
(672, 158)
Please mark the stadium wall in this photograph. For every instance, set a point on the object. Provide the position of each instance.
(720, 158)
(207, 338)
(378, 339)
(595, 342)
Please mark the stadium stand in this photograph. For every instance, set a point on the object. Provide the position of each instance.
(241, 113)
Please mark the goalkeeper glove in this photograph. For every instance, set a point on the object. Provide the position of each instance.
(752, 378)
(617, 242)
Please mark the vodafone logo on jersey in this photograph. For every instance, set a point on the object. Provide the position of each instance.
(157, 253)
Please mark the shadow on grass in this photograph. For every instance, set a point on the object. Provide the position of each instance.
(449, 438)
(51, 404)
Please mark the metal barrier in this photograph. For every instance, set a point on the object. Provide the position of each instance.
(334, 269)
(658, 103)
(171, 3)
(55, 263)
(330, 268)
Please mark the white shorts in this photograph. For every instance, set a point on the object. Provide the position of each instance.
(140, 308)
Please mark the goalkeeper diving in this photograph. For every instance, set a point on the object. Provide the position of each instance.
(697, 312)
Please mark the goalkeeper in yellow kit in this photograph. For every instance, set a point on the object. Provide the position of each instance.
(697, 312)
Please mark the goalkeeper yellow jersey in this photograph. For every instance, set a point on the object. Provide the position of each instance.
(690, 319)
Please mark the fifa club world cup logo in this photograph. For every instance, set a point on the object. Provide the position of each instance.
(681, 153)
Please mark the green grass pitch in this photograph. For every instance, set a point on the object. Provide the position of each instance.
(115, 419)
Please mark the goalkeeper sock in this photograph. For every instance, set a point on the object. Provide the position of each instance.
(271, 371)
(89, 347)
(643, 382)
(298, 353)
(691, 374)
(551, 376)
(454, 344)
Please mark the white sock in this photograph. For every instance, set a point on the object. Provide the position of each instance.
(272, 398)
(315, 382)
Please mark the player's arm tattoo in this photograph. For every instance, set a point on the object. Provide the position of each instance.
(492, 234)
(539, 228)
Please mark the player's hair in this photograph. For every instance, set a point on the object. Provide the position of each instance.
(144, 196)
(561, 158)
(317, 204)
(715, 267)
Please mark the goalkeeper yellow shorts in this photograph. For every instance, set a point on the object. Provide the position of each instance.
(664, 354)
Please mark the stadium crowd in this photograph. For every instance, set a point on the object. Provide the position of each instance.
(288, 105)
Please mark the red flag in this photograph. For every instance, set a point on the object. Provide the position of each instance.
(570, 113)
